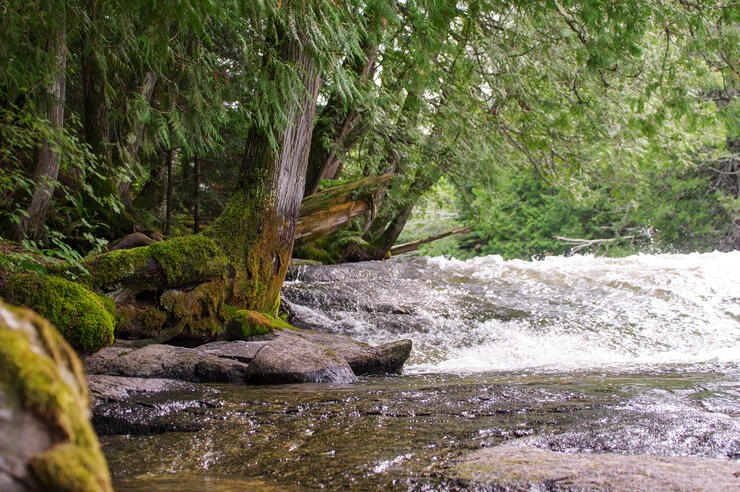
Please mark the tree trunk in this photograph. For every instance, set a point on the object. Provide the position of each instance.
(46, 168)
(93, 87)
(338, 125)
(325, 212)
(171, 156)
(414, 245)
(196, 189)
(132, 143)
(259, 223)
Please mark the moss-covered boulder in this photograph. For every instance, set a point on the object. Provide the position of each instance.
(46, 440)
(84, 318)
(172, 263)
(244, 324)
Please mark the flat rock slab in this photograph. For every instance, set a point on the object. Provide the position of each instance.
(104, 387)
(240, 350)
(290, 358)
(526, 468)
(166, 361)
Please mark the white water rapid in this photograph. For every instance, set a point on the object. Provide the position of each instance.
(557, 314)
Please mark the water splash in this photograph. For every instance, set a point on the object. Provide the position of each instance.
(560, 313)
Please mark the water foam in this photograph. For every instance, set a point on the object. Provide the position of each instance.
(560, 313)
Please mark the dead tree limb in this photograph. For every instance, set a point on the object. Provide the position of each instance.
(414, 245)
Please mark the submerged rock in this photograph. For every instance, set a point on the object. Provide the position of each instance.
(131, 405)
(166, 361)
(46, 440)
(104, 387)
(525, 468)
(290, 358)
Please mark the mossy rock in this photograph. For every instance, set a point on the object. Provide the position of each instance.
(194, 314)
(245, 324)
(171, 263)
(140, 322)
(86, 319)
(43, 394)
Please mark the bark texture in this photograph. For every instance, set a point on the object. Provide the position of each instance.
(259, 223)
(48, 159)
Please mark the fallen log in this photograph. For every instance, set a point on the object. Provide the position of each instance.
(414, 245)
(326, 211)
(579, 244)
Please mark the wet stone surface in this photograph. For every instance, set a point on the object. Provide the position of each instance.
(409, 432)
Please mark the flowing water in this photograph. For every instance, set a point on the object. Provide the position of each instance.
(580, 354)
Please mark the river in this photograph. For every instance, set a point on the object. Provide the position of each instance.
(636, 355)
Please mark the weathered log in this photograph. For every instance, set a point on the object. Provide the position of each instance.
(579, 244)
(414, 245)
(324, 212)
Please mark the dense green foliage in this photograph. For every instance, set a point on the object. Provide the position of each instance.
(597, 99)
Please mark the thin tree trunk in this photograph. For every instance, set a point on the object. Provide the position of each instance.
(93, 86)
(171, 156)
(133, 142)
(46, 168)
(196, 189)
(340, 126)
(414, 245)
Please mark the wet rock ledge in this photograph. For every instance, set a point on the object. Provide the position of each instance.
(525, 468)
(287, 356)
(140, 390)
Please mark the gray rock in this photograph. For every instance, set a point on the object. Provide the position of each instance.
(130, 405)
(290, 358)
(382, 359)
(363, 358)
(526, 468)
(166, 361)
(240, 350)
(104, 387)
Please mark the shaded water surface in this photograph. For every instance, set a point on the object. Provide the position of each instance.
(634, 355)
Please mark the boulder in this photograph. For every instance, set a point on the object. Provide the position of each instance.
(85, 319)
(290, 358)
(363, 358)
(526, 468)
(166, 361)
(46, 440)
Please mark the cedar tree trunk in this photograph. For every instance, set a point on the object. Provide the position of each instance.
(257, 228)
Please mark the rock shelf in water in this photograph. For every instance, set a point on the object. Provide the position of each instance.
(284, 357)
(139, 390)
(526, 468)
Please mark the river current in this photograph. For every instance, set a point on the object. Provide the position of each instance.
(636, 355)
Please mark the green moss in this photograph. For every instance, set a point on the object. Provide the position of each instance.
(312, 252)
(152, 319)
(170, 263)
(125, 264)
(248, 232)
(42, 372)
(189, 259)
(244, 323)
(68, 468)
(196, 313)
(85, 319)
